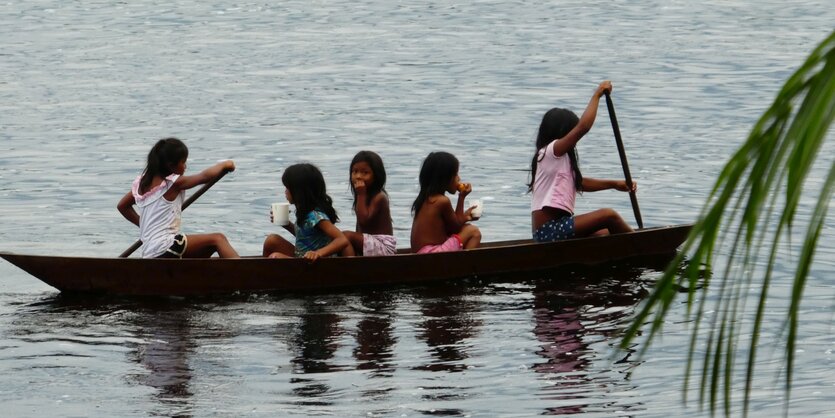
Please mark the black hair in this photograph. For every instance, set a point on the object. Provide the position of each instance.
(556, 124)
(377, 169)
(162, 160)
(437, 171)
(307, 187)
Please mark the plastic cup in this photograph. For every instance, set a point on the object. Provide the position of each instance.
(281, 213)
(478, 209)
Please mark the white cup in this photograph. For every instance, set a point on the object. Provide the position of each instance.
(477, 210)
(281, 213)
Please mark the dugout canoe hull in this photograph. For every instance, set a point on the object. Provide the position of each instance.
(167, 277)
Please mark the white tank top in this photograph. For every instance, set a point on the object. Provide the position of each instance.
(159, 219)
(554, 182)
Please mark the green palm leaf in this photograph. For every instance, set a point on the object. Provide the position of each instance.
(749, 215)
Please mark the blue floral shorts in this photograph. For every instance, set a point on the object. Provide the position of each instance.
(555, 230)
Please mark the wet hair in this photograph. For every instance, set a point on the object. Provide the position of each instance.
(162, 160)
(437, 171)
(556, 124)
(377, 170)
(307, 186)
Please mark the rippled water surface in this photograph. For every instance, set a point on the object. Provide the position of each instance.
(88, 86)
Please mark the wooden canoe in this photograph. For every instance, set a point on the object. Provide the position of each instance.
(136, 276)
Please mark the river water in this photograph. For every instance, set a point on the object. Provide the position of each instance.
(87, 87)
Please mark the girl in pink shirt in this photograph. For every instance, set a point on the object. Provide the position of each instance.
(556, 178)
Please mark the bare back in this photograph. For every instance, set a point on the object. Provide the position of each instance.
(434, 223)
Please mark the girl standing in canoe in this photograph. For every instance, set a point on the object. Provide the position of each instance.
(436, 226)
(556, 178)
(374, 234)
(159, 193)
(316, 234)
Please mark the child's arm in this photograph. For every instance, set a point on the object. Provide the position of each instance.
(366, 212)
(586, 121)
(594, 185)
(125, 207)
(463, 216)
(205, 176)
(454, 220)
(338, 243)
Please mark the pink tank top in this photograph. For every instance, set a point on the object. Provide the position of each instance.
(554, 182)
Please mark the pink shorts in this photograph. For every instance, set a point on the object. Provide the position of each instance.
(453, 243)
(378, 244)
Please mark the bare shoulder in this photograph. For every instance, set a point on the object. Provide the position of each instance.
(438, 200)
(381, 199)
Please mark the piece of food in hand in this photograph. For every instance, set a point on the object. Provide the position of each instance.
(478, 209)
(462, 187)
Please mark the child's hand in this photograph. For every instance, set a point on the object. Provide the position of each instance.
(621, 186)
(464, 189)
(228, 165)
(359, 186)
(311, 256)
(469, 213)
(271, 215)
(604, 87)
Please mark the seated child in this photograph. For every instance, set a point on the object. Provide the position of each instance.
(374, 234)
(158, 195)
(316, 234)
(556, 178)
(436, 226)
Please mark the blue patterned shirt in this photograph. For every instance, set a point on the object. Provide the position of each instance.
(308, 236)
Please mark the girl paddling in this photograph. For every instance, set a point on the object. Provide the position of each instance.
(556, 178)
(159, 193)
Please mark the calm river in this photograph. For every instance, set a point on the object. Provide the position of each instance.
(87, 87)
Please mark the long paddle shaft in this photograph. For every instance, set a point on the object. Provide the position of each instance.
(186, 204)
(623, 162)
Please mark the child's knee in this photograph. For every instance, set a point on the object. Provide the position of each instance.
(271, 239)
(219, 238)
(471, 231)
(610, 214)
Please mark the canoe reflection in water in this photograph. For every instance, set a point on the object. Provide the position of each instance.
(435, 349)
(570, 317)
(166, 347)
(318, 335)
(447, 324)
(375, 336)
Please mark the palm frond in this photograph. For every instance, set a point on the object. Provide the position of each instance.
(763, 179)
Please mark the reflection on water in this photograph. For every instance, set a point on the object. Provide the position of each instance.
(571, 315)
(375, 335)
(449, 329)
(313, 342)
(447, 325)
(333, 349)
(165, 351)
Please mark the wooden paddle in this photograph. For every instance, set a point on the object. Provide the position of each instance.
(623, 162)
(186, 204)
